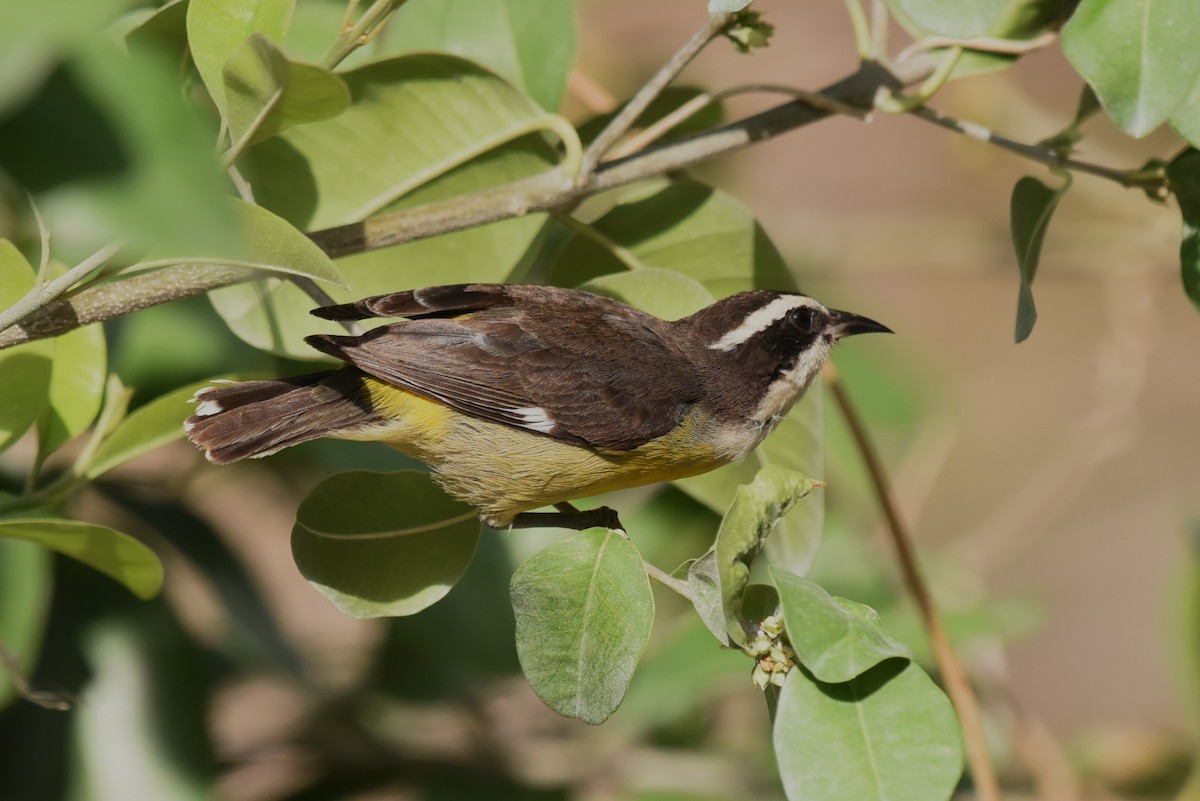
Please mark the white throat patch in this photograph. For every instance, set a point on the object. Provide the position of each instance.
(761, 320)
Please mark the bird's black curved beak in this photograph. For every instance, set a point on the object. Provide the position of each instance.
(845, 324)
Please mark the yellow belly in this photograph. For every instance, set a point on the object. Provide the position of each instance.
(504, 471)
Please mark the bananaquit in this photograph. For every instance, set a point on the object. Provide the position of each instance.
(521, 397)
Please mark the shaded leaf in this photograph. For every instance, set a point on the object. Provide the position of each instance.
(77, 376)
(663, 293)
(216, 28)
(724, 572)
(266, 243)
(117, 555)
(530, 42)
(888, 735)
(835, 638)
(34, 36)
(584, 613)
(158, 422)
(163, 189)
(1031, 207)
(1184, 174)
(682, 226)
(383, 544)
(265, 93)
(25, 588)
(955, 19)
(1139, 56)
(165, 27)
(24, 370)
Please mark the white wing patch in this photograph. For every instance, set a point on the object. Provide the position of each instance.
(761, 320)
(535, 418)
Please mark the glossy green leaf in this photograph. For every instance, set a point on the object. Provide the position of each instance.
(117, 555)
(584, 612)
(158, 422)
(218, 27)
(718, 580)
(796, 444)
(265, 93)
(1031, 207)
(682, 226)
(25, 588)
(530, 42)
(665, 294)
(956, 19)
(1139, 55)
(33, 36)
(24, 370)
(383, 544)
(889, 735)
(835, 638)
(1184, 175)
(77, 376)
(347, 168)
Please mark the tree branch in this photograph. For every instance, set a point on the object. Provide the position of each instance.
(628, 114)
(45, 292)
(958, 686)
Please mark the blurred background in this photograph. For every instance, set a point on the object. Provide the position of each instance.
(1053, 488)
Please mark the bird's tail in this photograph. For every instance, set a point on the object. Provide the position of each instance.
(249, 419)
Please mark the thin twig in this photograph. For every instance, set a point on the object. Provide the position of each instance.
(360, 33)
(45, 292)
(1127, 178)
(652, 133)
(1005, 47)
(667, 580)
(958, 686)
(629, 113)
(47, 699)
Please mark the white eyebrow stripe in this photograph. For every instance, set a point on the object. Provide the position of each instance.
(760, 320)
(536, 418)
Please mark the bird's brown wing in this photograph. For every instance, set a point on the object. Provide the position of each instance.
(565, 364)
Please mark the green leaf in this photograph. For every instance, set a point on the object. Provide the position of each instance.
(718, 580)
(1032, 205)
(584, 612)
(383, 544)
(1184, 174)
(24, 370)
(1139, 55)
(166, 28)
(835, 638)
(530, 42)
(955, 19)
(796, 444)
(25, 590)
(665, 294)
(266, 242)
(726, 6)
(682, 226)
(889, 735)
(33, 36)
(344, 169)
(77, 376)
(158, 422)
(266, 93)
(114, 554)
(218, 27)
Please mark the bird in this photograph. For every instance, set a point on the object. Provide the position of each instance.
(520, 397)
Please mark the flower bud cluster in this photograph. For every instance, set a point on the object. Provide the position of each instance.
(773, 657)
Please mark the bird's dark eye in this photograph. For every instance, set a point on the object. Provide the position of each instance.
(803, 319)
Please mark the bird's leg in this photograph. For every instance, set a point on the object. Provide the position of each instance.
(568, 516)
